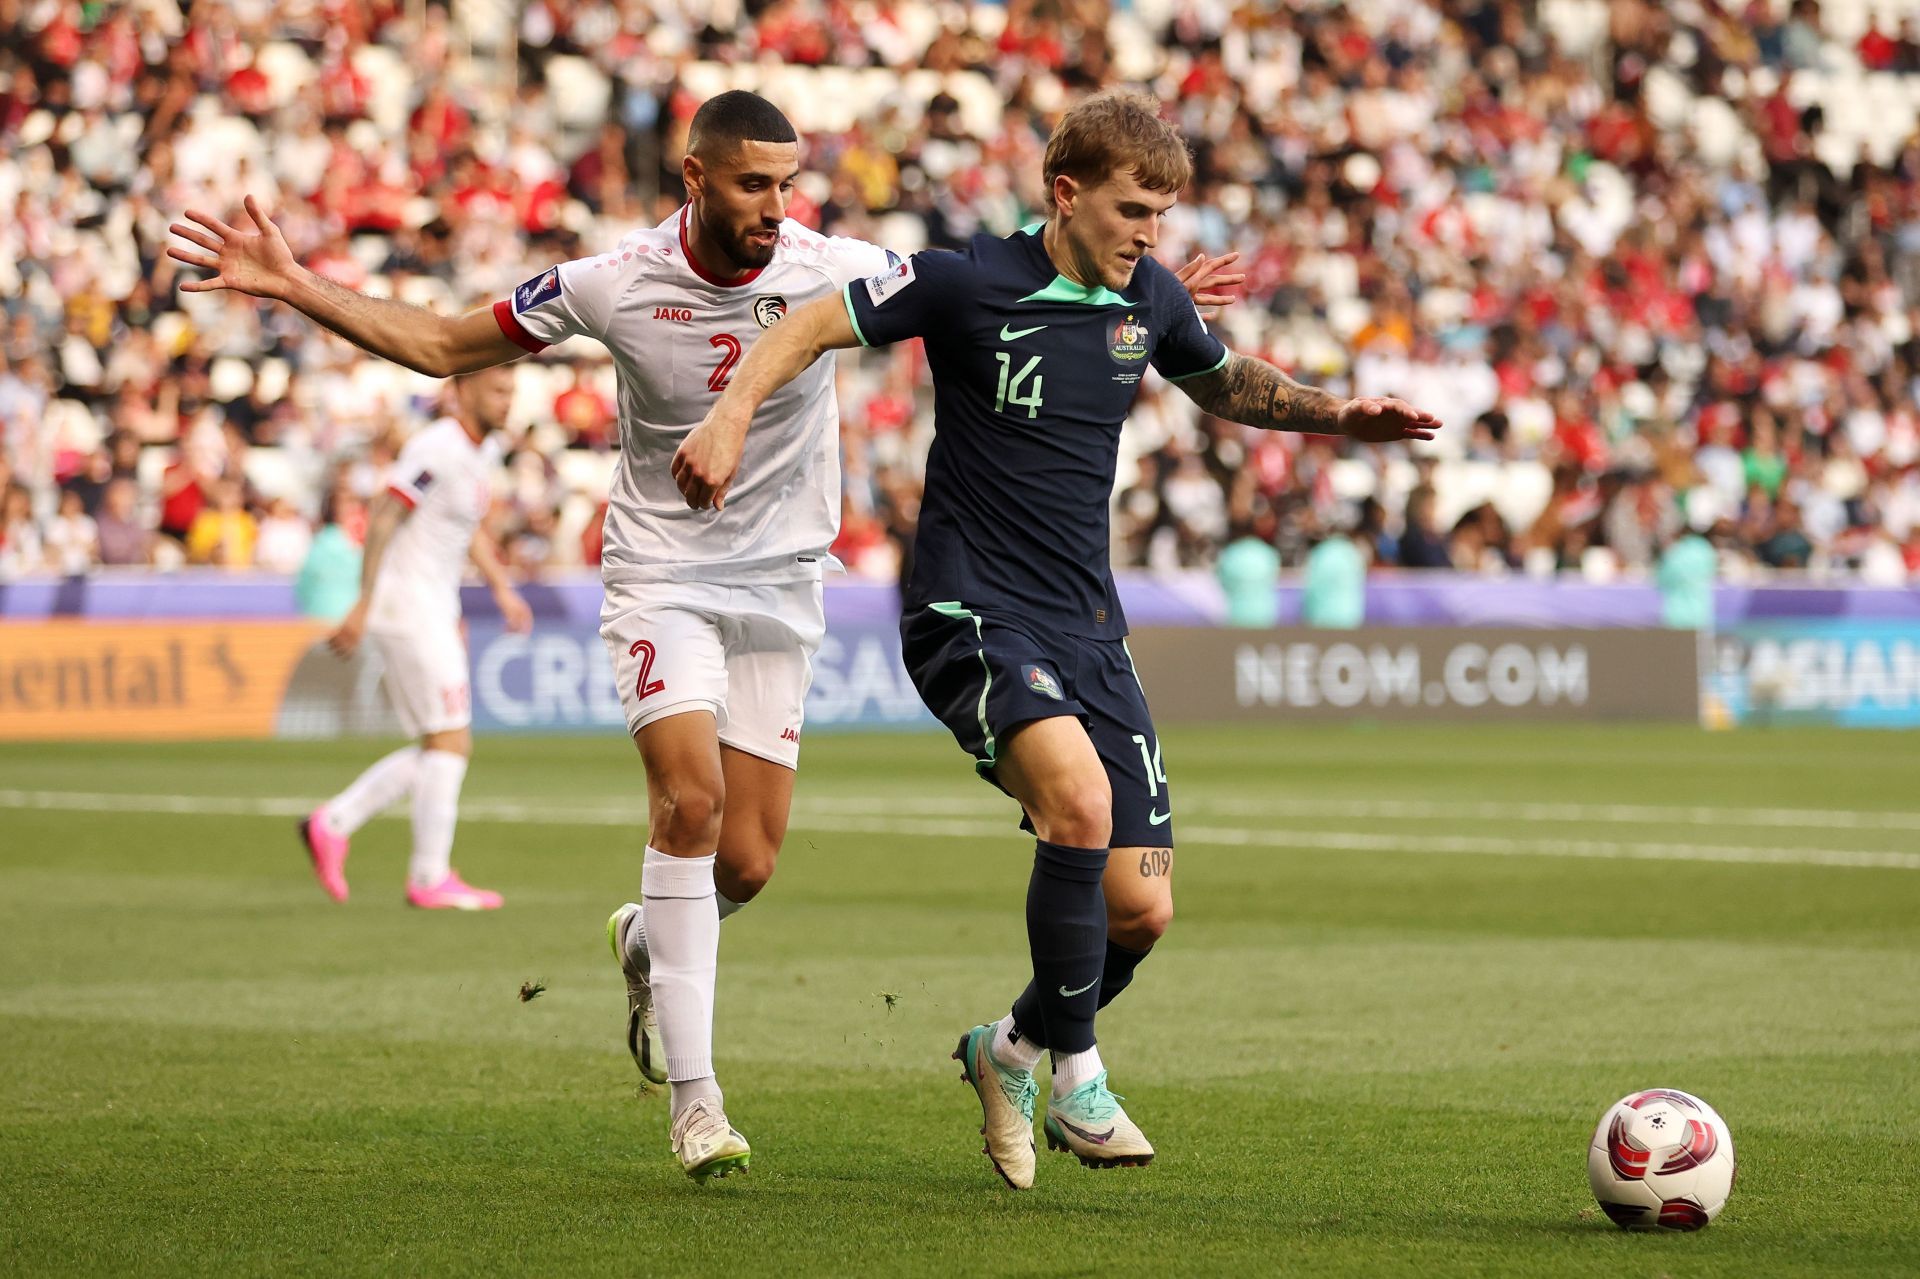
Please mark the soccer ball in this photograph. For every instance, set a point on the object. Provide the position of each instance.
(1661, 1160)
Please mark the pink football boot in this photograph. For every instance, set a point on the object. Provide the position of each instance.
(452, 893)
(328, 852)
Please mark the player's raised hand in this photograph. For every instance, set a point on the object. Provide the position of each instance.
(1207, 280)
(1380, 419)
(254, 259)
(706, 461)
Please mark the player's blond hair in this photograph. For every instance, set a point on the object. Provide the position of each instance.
(1118, 132)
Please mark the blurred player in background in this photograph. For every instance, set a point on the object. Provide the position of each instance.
(711, 618)
(1012, 629)
(421, 534)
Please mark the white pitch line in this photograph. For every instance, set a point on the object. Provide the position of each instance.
(892, 822)
(1443, 810)
(1743, 854)
(1627, 814)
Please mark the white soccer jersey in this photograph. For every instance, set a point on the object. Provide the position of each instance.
(676, 336)
(447, 481)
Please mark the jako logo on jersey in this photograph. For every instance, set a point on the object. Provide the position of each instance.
(1042, 682)
(544, 288)
(423, 481)
(1127, 344)
(790, 735)
(769, 309)
(885, 285)
(679, 315)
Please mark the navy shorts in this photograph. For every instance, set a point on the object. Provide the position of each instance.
(985, 674)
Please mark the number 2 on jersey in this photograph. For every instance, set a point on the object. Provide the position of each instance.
(730, 355)
(642, 689)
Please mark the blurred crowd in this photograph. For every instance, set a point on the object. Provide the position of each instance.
(1630, 335)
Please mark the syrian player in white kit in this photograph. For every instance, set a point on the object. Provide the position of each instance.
(421, 534)
(711, 617)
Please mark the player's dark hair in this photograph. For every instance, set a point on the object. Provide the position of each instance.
(1114, 133)
(724, 122)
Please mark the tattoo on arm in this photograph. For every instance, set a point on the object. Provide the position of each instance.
(1255, 393)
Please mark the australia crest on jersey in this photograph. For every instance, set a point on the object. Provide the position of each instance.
(887, 283)
(542, 288)
(1127, 341)
(768, 309)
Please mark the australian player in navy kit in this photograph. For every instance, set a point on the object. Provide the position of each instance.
(1011, 626)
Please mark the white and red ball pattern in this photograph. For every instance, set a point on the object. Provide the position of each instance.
(1661, 1159)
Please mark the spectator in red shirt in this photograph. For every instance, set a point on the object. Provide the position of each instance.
(1877, 49)
(184, 490)
(584, 413)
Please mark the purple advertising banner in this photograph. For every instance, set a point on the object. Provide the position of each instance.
(1179, 599)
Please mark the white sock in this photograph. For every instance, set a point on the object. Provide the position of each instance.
(1011, 1049)
(436, 806)
(726, 904)
(387, 779)
(684, 1093)
(683, 939)
(1070, 1070)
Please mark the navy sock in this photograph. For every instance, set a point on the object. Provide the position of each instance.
(1114, 978)
(1067, 935)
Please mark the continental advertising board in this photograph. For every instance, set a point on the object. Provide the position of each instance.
(76, 679)
(1417, 673)
(174, 680)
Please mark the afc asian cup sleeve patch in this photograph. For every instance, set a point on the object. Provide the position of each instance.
(1041, 681)
(542, 288)
(885, 285)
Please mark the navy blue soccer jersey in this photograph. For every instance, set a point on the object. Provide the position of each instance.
(1033, 375)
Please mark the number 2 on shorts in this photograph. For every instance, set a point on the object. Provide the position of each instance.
(642, 690)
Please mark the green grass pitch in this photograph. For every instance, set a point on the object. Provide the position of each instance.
(1409, 971)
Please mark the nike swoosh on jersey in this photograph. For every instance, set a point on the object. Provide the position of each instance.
(1008, 333)
(1156, 817)
(1083, 990)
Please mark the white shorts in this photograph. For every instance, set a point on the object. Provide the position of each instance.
(743, 652)
(426, 676)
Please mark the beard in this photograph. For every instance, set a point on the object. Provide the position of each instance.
(743, 252)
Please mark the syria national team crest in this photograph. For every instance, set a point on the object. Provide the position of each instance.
(1127, 342)
(1042, 682)
(768, 309)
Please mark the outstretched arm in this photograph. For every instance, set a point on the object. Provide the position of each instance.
(1255, 393)
(258, 262)
(705, 464)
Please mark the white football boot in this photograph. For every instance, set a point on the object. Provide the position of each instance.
(643, 1029)
(707, 1145)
